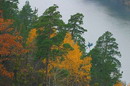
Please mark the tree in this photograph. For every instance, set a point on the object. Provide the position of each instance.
(105, 70)
(44, 45)
(9, 8)
(74, 26)
(26, 19)
(10, 47)
(79, 69)
(50, 19)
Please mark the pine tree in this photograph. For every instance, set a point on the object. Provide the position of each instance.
(74, 26)
(105, 69)
(26, 19)
(50, 22)
(9, 8)
(51, 18)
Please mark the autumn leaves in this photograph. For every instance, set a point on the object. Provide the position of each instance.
(78, 69)
(9, 46)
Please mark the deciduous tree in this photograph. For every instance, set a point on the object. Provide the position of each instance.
(79, 69)
(9, 46)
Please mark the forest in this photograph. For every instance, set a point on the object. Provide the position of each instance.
(46, 51)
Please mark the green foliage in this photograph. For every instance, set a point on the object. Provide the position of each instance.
(43, 46)
(74, 26)
(9, 8)
(51, 18)
(51, 23)
(26, 19)
(57, 40)
(105, 70)
(67, 46)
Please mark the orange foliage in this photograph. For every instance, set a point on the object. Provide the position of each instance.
(9, 45)
(4, 72)
(4, 24)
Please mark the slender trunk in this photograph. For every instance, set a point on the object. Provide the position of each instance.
(47, 62)
(46, 77)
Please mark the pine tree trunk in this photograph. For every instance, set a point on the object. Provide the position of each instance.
(46, 77)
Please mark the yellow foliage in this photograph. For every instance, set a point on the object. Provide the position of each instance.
(77, 67)
(53, 34)
(32, 35)
(118, 84)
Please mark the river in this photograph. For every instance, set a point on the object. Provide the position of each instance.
(98, 19)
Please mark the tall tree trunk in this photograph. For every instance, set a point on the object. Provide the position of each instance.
(46, 77)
